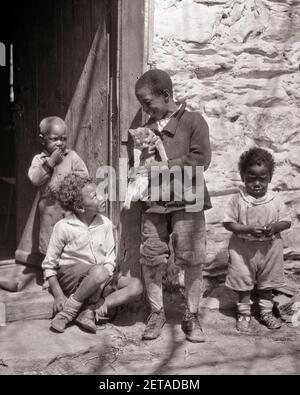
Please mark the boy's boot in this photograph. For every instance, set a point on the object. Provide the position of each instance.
(243, 318)
(86, 320)
(193, 286)
(267, 317)
(155, 323)
(192, 328)
(68, 314)
(157, 318)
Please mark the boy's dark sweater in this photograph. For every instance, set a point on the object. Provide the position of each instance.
(186, 141)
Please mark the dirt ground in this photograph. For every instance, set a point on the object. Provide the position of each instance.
(117, 349)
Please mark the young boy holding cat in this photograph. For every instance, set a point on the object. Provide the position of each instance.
(185, 136)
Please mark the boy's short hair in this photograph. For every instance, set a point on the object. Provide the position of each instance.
(50, 121)
(256, 156)
(156, 80)
(69, 192)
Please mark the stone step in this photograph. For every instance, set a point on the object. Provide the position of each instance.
(25, 305)
(21, 293)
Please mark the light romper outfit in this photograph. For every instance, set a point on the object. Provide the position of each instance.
(255, 261)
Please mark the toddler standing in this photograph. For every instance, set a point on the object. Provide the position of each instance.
(47, 171)
(256, 216)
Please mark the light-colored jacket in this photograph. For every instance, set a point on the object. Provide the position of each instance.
(72, 241)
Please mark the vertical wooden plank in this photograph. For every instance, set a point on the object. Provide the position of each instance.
(131, 62)
(87, 113)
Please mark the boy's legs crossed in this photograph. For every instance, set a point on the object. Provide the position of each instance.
(79, 282)
(189, 242)
(126, 289)
(154, 253)
(89, 290)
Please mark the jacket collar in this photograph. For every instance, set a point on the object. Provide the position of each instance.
(73, 220)
(171, 126)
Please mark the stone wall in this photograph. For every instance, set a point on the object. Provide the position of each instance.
(237, 62)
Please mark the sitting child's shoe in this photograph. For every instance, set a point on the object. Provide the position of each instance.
(68, 314)
(156, 321)
(243, 322)
(192, 328)
(60, 321)
(86, 320)
(270, 321)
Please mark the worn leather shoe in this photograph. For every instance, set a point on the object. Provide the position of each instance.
(192, 328)
(155, 323)
(86, 320)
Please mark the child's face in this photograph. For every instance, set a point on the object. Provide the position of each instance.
(91, 203)
(155, 105)
(55, 138)
(256, 179)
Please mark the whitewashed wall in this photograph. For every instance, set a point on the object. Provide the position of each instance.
(237, 62)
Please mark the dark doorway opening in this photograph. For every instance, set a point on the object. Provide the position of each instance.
(7, 147)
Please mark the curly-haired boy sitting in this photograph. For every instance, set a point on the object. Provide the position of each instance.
(80, 260)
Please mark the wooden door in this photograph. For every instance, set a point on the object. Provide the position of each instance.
(61, 62)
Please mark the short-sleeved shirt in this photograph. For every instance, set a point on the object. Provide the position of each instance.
(246, 210)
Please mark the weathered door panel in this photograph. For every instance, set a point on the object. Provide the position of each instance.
(61, 58)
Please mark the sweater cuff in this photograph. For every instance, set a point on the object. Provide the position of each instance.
(49, 273)
(174, 162)
(47, 167)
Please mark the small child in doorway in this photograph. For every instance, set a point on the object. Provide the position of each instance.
(80, 260)
(48, 169)
(256, 216)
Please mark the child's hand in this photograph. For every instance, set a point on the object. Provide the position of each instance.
(53, 188)
(257, 231)
(269, 230)
(58, 304)
(101, 311)
(56, 157)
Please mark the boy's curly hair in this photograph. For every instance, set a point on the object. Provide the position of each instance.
(69, 192)
(256, 156)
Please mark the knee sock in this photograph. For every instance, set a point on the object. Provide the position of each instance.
(265, 306)
(193, 286)
(244, 308)
(71, 308)
(153, 285)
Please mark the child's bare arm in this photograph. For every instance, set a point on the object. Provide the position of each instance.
(59, 296)
(276, 227)
(236, 228)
